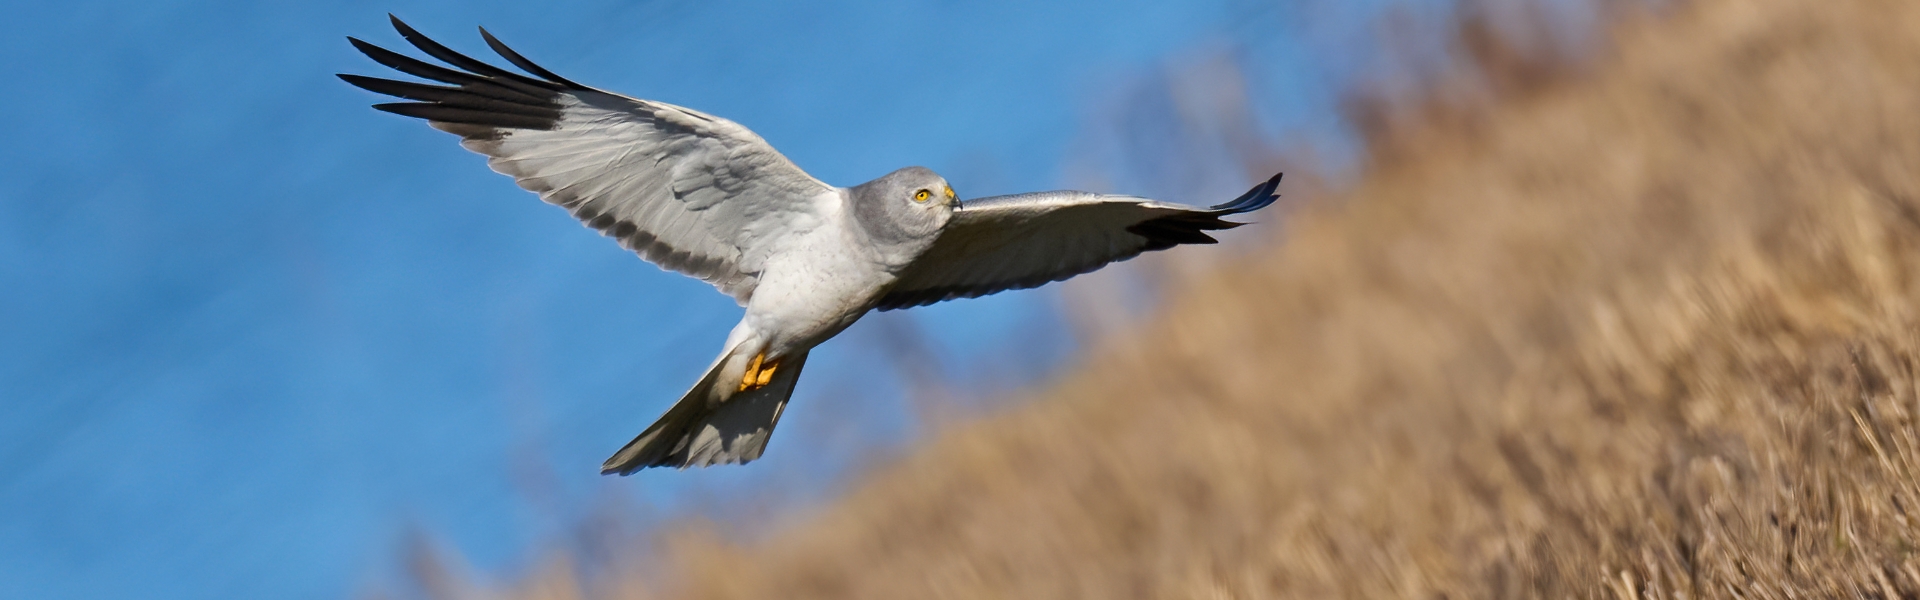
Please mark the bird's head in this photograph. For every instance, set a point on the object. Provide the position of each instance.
(910, 205)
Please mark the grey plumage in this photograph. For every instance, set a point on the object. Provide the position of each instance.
(706, 197)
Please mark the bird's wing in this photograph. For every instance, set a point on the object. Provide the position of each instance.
(1028, 240)
(687, 191)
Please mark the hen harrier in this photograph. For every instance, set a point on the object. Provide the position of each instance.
(706, 197)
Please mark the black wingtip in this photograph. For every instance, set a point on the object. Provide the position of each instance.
(1261, 196)
(523, 63)
(444, 113)
(448, 55)
(400, 26)
(406, 31)
(1190, 227)
(480, 75)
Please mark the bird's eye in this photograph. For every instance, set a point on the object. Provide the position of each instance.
(922, 196)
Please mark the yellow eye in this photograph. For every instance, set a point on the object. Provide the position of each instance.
(921, 196)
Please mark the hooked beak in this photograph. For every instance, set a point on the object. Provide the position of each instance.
(953, 199)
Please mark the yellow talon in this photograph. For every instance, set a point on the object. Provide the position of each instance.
(766, 375)
(752, 379)
(756, 377)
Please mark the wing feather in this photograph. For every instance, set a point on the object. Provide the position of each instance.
(687, 191)
(1027, 240)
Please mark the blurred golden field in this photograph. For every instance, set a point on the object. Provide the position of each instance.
(1642, 331)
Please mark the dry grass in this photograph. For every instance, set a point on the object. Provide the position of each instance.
(1650, 333)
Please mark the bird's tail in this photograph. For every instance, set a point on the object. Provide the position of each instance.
(699, 431)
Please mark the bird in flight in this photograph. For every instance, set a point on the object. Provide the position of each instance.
(706, 197)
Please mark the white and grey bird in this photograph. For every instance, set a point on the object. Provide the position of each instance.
(704, 196)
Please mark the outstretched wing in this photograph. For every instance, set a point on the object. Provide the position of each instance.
(1027, 240)
(687, 191)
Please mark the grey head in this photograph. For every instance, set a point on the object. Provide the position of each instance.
(902, 212)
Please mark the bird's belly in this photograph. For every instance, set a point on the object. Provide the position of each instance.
(798, 304)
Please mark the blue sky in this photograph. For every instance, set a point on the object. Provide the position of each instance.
(254, 331)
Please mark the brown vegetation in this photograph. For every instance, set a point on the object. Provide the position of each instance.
(1645, 333)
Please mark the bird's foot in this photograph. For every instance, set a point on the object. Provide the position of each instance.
(766, 374)
(757, 377)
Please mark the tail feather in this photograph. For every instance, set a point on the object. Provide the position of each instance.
(698, 433)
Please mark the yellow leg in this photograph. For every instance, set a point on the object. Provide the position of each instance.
(766, 375)
(752, 377)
